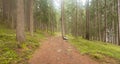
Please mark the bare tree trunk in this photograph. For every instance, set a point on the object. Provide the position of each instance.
(119, 22)
(87, 21)
(62, 18)
(20, 30)
(76, 19)
(105, 22)
(31, 18)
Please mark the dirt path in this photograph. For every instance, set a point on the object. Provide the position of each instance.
(57, 51)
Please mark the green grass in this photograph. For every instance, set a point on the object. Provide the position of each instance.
(96, 49)
(10, 53)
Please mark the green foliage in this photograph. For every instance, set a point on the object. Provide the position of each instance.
(10, 53)
(96, 49)
(45, 14)
(8, 57)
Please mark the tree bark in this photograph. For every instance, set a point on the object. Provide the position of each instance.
(62, 18)
(105, 21)
(20, 30)
(87, 20)
(31, 18)
(119, 22)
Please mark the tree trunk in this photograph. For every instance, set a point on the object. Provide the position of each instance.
(20, 30)
(119, 22)
(62, 18)
(31, 18)
(87, 20)
(76, 19)
(105, 21)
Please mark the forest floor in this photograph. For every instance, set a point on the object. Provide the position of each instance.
(55, 50)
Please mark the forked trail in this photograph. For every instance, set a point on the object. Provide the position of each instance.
(57, 51)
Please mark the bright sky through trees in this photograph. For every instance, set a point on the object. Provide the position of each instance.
(58, 3)
(83, 2)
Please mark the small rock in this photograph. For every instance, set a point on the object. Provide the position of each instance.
(59, 50)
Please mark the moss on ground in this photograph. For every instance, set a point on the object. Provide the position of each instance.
(96, 49)
(10, 53)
